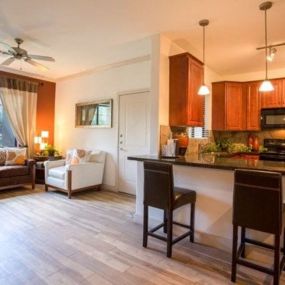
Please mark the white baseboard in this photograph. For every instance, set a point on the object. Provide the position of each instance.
(109, 188)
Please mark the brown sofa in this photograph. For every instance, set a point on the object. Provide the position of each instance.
(14, 175)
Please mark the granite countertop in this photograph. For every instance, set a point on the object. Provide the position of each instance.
(213, 161)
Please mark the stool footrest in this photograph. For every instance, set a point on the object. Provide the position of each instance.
(182, 225)
(156, 228)
(259, 243)
(255, 266)
(181, 237)
(188, 233)
(157, 236)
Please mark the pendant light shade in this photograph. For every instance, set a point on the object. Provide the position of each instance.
(266, 85)
(204, 90)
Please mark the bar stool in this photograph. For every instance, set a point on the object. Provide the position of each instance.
(159, 192)
(257, 205)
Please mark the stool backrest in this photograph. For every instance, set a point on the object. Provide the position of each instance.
(158, 184)
(257, 202)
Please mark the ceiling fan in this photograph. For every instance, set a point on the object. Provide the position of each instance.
(21, 54)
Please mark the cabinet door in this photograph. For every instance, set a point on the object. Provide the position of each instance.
(253, 107)
(274, 98)
(178, 90)
(195, 101)
(283, 93)
(235, 107)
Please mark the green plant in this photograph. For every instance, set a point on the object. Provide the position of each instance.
(50, 151)
(224, 144)
(238, 147)
(209, 147)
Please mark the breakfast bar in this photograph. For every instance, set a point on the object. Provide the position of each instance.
(212, 177)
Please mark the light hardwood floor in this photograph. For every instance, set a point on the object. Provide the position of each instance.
(46, 238)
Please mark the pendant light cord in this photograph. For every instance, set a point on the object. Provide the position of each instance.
(204, 45)
(266, 46)
(204, 40)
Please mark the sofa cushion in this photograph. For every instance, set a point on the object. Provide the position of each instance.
(16, 156)
(57, 172)
(15, 170)
(2, 156)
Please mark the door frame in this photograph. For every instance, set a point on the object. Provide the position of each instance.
(120, 94)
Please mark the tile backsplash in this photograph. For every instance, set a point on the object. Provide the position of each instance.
(241, 137)
(235, 137)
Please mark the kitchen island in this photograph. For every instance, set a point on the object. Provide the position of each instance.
(212, 177)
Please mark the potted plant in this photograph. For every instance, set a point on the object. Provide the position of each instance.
(51, 152)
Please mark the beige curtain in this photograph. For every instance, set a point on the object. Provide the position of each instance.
(19, 100)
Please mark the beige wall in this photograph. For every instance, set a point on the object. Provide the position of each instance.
(102, 83)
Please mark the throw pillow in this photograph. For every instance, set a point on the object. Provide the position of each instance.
(2, 156)
(16, 156)
(69, 155)
(80, 156)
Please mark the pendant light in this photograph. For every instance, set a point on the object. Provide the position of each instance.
(266, 85)
(204, 90)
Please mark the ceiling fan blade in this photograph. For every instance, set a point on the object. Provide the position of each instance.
(8, 61)
(36, 64)
(7, 48)
(41, 57)
(5, 52)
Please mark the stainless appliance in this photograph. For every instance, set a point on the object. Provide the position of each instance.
(273, 118)
(275, 150)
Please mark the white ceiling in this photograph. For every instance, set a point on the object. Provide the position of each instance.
(77, 32)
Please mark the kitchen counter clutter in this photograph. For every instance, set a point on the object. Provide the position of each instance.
(212, 177)
(207, 160)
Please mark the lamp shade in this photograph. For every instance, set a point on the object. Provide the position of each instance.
(44, 134)
(266, 86)
(203, 90)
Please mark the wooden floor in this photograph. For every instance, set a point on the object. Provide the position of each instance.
(47, 239)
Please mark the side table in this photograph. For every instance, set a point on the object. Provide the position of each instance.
(40, 173)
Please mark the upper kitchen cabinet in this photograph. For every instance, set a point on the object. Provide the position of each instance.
(228, 106)
(252, 106)
(275, 98)
(185, 77)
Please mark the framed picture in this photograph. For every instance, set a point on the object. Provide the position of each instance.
(95, 114)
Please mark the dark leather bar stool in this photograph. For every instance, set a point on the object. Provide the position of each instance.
(257, 205)
(159, 192)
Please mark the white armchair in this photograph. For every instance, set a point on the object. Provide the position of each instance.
(73, 178)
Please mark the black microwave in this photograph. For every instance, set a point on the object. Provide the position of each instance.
(273, 118)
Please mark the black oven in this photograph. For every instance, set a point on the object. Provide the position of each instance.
(273, 118)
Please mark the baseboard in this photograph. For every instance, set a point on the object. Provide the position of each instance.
(109, 187)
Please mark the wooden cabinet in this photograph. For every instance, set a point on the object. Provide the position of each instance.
(228, 106)
(275, 98)
(252, 106)
(236, 106)
(186, 107)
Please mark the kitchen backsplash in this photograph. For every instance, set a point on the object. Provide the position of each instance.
(235, 137)
(241, 137)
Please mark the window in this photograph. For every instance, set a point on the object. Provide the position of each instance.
(6, 135)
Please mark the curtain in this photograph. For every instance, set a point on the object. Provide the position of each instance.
(19, 100)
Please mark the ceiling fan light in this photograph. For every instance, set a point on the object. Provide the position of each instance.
(266, 86)
(203, 90)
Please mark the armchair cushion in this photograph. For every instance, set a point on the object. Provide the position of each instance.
(57, 172)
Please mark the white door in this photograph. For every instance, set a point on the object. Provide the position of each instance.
(134, 129)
